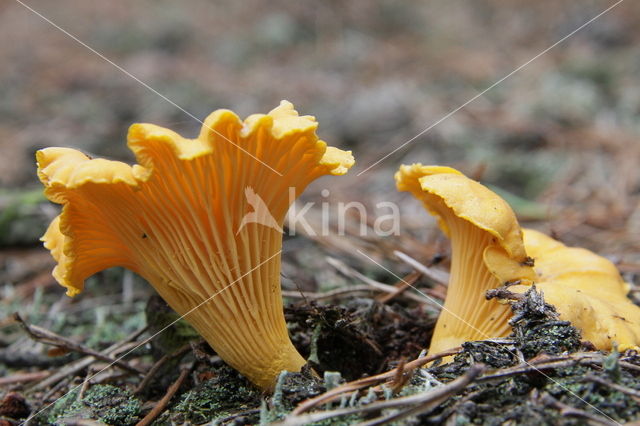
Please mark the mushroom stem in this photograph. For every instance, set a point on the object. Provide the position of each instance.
(257, 345)
(486, 251)
(489, 249)
(466, 314)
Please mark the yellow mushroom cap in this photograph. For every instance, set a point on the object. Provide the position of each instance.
(487, 251)
(177, 218)
(586, 290)
(573, 266)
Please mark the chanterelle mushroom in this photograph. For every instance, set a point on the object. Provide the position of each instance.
(586, 289)
(490, 249)
(486, 251)
(176, 218)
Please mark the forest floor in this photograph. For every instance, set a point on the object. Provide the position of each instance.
(558, 140)
(365, 345)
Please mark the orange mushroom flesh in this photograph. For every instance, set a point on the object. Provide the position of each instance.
(486, 251)
(176, 219)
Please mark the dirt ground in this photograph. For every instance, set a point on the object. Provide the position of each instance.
(538, 100)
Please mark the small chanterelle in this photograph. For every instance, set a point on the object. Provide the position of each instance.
(177, 218)
(489, 249)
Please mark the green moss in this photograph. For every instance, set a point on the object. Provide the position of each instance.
(291, 388)
(21, 219)
(493, 354)
(536, 327)
(515, 399)
(421, 381)
(221, 396)
(61, 405)
(172, 332)
(572, 386)
(611, 365)
(106, 403)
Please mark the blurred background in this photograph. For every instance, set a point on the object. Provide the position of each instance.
(559, 139)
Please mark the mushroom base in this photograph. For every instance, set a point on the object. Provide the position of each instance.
(259, 354)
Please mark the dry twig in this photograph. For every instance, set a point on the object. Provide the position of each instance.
(23, 378)
(435, 275)
(624, 389)
(567, 410)
(337, 392)
(545, 362)
(154, 369)
(346, 270)
(420, 403)
(331, 294)
(162, 404)
(79, 365)
(400, 286)
(42, 335)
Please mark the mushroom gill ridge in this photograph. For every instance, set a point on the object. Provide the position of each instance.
(489, 249)
(177, 218)
(486, 251)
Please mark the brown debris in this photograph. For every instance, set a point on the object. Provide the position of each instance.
(14, 405)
